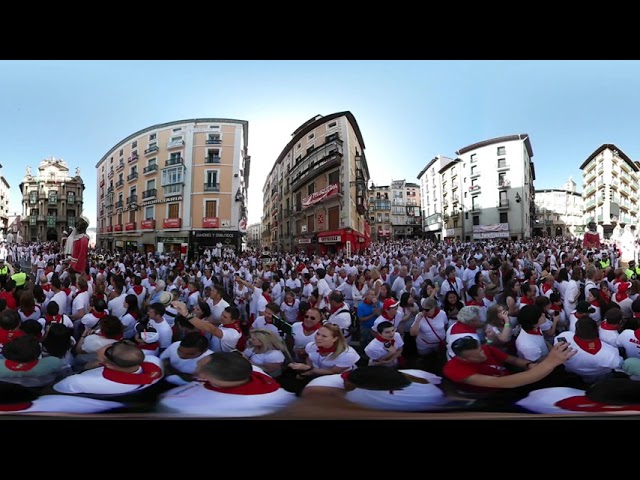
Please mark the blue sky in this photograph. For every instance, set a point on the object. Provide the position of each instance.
(408, 111)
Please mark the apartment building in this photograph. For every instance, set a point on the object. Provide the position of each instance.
(315, 198)
(431, 197)
(450, 179)
(179, 186)
(380, 212)
(52, 200)
(406, 219)
(610, 181)
(558, 211)
(498, 195)
(254, 234)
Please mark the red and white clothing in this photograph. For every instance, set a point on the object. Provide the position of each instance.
(458, 370)
(165, 333)
(630, 341)
(80, 302)
(140, 292)
(217, 309)
(346, 359)
(61, 299)
(183, 365)
(261, 396)
(555, 400)
(90, 320)
(260, 359)
(531, 345)
(416, 397)
(342, 318)
(61, 404)
(229, 341)
(594, 359)
(608, 333)
(459, 330)
(300, 340)
(105, 381)
(376, 349)
(66, 321)
(260, 323)
(33, 315)
(94, 342)
(432, 332)
(290, 311)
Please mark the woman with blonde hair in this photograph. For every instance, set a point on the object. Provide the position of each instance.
(376, 281)
(267, 351)
(328, 354)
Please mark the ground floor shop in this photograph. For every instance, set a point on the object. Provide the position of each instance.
(224, 241)
(344, 241)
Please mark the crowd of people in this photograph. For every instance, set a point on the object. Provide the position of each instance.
(545, 325)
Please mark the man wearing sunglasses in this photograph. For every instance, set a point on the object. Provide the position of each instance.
(123, 369)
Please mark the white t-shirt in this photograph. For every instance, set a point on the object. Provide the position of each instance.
(376, 349)
(228, 342)
(531, 347)
(346, 359)
(591, 366)
(184, 365)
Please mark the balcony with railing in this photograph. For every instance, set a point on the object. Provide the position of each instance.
(71, 199)
(53, 200)
(150, 169)
(132, 176)
(111, 173)
(132, 199)
(474, 188)
(174, 161)
(175, 144)
(211, 187)
(120, 183)
(213, 141)
(151, 150)
(476, 207)
(590, 204)
(133, 158)
(151, 193)
(504, 183)
(51, 220)
(32, 219)
(119, 204)
(475, 174)
(212, 159)
(316, 162)
(590, 190)
(120, 166)
(502, 165)
(503, 203)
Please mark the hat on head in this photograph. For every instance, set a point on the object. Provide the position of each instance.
(165, 298)
(584, 307)
(491, 289)
(429, 303)
(390, 303)
(623, 287)
(544, 275)
(469, 313)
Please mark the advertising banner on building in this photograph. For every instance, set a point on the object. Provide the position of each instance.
(316, 197)
(496, 230)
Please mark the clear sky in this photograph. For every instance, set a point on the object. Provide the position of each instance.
(408, 111)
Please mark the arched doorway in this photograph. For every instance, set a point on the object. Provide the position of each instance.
(52, 235)
(558, 231)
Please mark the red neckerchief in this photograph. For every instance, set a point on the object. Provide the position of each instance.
(102, 272)
(472, 303)
(595, 303)
(621, 296)
(134, 315)
(20, 366)
(384, 340)
(267, 296)
(489, 297)
(535, 331)
(99, 315)
(589, 346)
(436, 311)
(324, 350)
(233, 326)
(546, 287)
(606, 296)
(150, 373)
(636, 333)
(524, 300)
(148, 346)
(28, 313)
(67, 291)
(607, 326)
(57, 319)
(15, 407)
(258, 384)
(315, 328)
(46, 287)
(384, 314)
(137, 289)
(585, 404)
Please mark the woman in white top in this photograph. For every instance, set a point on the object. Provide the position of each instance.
(267, 351)
(290, 307)
(328, 354)
(572, 293)
(359, 290)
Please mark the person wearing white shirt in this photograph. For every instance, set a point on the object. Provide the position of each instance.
(181, 358)
(217, 304)
(386, 347)
(116, 305)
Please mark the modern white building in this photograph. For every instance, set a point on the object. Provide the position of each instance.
(558, 211)
(431, 197)
(451, 180)
(610, 190)
(254, 233)
(497, 188)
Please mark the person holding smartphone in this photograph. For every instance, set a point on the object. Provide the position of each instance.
(386, 348)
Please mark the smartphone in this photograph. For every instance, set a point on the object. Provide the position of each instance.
(561, 340)
(387, 344)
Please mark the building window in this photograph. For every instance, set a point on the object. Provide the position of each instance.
(474, 158)
(333, 215)
(298, 201)
(332, 125)
(474, 170)
(502, 162)
(173, 210)
(152, 136)
(310, 188)
(311, 136)
(211, 179)
(310, 149)
(211, 208)
(172, 175)
(503, 217)
(151, 184)
(149, 212)
(132, 216)
(121, 152)
(334, 177)
(476, 219)
(134, 144)
(502, 151)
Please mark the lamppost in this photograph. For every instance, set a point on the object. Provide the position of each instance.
(519, 200)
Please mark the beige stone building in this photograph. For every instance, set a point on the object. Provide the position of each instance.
(315, 198)
(52, 200)
(178, 186)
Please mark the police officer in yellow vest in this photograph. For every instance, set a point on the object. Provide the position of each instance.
(632, 272)
(605, 262)
(19, 277)
(4, 271)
